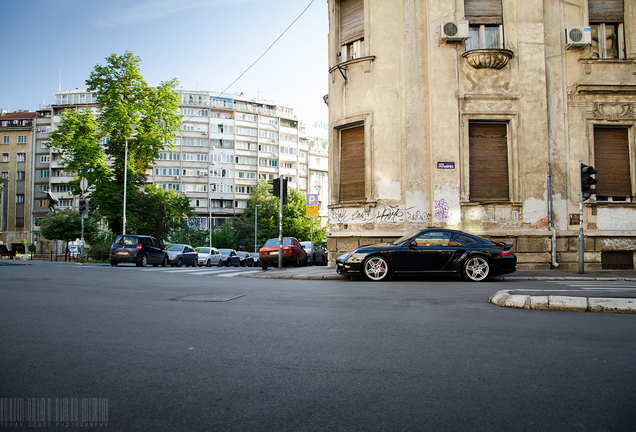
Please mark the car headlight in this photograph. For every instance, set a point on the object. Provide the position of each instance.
(344, 257)
(357, 257)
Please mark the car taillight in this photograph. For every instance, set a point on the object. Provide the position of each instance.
(139, 247)
(506, 253)
(287, 250)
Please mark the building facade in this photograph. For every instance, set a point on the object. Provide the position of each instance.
(17, 135)
(474, 115)
(225, 145)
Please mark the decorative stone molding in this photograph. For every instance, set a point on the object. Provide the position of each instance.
(613, 111)
(488, 58)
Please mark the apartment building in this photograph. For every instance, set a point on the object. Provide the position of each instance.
(226, 143)
(16, 143)
(474, 114)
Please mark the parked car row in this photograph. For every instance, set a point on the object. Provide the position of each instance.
(146, 250)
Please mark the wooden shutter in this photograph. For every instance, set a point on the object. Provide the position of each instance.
(611, 159)
(606, 10)
(483, 11)
(352, 172)
(351, 21)
(488, 156)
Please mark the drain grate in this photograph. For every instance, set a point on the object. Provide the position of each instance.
(209, 297)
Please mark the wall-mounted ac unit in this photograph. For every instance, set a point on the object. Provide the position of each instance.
(454, 31)
(577, 37)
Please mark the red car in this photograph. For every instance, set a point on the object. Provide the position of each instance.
(293, 253)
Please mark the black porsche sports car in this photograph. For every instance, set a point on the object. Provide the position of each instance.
(432, 250)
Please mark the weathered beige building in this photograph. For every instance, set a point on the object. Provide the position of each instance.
(16, 142)
(474, 114)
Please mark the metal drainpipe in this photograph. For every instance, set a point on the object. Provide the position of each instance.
(551, 227)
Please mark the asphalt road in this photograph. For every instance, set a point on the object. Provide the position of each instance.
(289, 355)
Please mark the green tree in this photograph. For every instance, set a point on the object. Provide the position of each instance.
(131, 114)
(162, 213)
(67, 226)
(295, 220)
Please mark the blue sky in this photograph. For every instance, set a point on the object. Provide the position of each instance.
(205, 44)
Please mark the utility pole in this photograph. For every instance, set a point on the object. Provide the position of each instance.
(281, 200)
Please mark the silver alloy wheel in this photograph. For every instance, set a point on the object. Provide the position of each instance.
(376, 268)
(476, 269)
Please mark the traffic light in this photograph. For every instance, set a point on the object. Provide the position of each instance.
(275, 188)
(89, 211)
(587, 181)
(82, 206)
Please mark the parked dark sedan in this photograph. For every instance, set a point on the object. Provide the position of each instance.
(180, 254)
(319, 254)
(139, 249)
(246, 259)
(432, 250)
(229, 257)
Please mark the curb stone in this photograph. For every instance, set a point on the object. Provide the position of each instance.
(564, 303)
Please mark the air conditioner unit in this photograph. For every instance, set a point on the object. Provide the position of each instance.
(578, 37)
(204, 132)
(453, 31)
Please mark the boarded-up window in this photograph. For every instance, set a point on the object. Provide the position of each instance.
(352, 164)
(351, 21)
(611, 159)
(488, 156)
(483, 11)
(606, 10)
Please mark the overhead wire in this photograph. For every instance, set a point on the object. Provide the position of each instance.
(209, 104)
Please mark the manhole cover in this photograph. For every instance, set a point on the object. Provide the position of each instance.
(209, 298)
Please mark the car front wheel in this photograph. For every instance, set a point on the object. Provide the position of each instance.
(376, 269)
(179, 262)
(476, 269)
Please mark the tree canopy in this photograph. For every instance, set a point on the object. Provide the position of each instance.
(134, 119)
(295, 222)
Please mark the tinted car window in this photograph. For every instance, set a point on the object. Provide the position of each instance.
(460, 239)
(155, 243)
(176, 248)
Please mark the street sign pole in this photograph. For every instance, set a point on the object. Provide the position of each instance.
(83, 185)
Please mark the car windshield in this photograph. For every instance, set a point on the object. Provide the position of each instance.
(306, 245)
(243, 254)
(176, 248)
(203, 250)
(406, 237)
(225, 251)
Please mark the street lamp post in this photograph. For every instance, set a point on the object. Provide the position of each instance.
(125, 182)
(256, 227)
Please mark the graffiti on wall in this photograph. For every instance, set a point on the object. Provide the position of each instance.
(442, 211)
(395, 214)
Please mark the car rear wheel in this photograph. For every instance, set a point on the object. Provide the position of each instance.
(143, 262)
(165, 261)
(476, 269)
(220, 263)
(376, 269)
(264, 266)
(113, 263)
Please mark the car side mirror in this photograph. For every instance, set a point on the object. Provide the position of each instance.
(413, 244)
